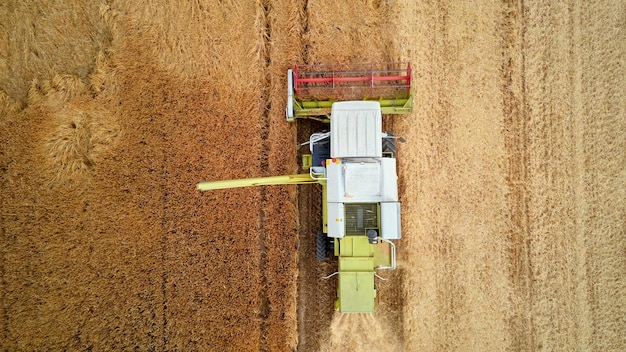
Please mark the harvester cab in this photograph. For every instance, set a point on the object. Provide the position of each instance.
(355, 162)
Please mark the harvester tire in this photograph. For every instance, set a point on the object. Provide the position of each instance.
(389, 144)
(321, 246)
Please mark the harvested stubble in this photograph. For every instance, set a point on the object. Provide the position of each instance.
(512, 210)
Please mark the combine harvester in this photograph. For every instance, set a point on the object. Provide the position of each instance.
(355, 164)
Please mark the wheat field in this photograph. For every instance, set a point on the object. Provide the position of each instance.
(512, 178)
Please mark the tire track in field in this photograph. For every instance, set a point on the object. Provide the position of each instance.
(449, 290)
(4, 313)
(264, 7)
(516, 146)
(305, 32)
(164, 240)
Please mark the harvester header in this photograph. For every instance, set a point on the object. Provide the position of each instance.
(312, 89)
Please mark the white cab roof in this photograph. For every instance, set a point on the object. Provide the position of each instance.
(356, 130)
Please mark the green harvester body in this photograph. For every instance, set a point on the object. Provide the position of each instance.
(356, 166)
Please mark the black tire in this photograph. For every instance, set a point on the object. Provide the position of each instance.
(322, 246)
(389, 144)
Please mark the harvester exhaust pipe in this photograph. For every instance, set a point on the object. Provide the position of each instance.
(372, 236)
